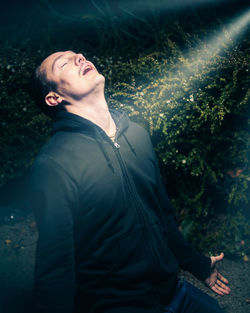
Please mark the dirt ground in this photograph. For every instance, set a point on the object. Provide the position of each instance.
(18, 236)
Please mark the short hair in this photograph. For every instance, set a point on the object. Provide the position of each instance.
(41, 86)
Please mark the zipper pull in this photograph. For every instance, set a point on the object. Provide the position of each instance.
(116, 145)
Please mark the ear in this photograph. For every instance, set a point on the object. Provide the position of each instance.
(53, 99)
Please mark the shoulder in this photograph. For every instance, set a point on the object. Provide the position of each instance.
(54, 161)
(61, 142)
(138, 129)
(139, 134)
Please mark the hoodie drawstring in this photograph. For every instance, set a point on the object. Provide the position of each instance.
(99, 140)
(129, 144)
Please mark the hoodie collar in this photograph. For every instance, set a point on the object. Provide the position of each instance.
(65, 121)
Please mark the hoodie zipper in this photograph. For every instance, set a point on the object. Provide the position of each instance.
(134, 199)
(128, 183)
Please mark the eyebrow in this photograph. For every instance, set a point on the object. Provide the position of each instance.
(57, 58)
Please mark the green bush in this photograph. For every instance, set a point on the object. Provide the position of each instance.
(198, 123)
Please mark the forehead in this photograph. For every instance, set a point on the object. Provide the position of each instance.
(52, 57)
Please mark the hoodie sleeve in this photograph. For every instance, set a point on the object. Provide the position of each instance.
(188, 258)
(52, 197)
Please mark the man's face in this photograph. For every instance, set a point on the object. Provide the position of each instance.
(74, 76)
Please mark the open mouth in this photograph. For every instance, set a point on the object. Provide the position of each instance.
(86, 69)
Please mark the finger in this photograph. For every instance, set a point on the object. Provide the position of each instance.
(223, 286)
(224, 291)
(217, 258)
(215, 289)
(222, 278)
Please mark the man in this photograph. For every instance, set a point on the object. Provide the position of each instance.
(108, 241)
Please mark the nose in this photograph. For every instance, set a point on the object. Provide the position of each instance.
(79, 59)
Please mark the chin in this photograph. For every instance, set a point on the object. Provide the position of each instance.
(100, 79)
(100, 76)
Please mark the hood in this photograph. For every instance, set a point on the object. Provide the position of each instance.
(65, 121)
(69, 122)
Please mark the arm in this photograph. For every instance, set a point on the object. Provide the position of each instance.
(188, 258)
(52, 194)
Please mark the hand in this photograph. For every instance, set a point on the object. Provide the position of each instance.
(216, 281)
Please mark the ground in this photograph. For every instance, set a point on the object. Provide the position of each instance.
(18, 236)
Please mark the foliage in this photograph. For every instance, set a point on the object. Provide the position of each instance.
(23, 129)
(195, 110)
(198, 122)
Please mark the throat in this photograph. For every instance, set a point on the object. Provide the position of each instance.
(111, 133)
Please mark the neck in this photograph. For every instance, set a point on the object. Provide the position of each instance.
(95, 109)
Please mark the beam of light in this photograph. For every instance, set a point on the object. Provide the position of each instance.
(176, 80)
(200, 57)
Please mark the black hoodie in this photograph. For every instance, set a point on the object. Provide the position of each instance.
(108, 241)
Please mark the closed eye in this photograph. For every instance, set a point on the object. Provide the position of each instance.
(64, 65)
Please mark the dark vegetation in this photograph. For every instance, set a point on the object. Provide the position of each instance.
(160, 68)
